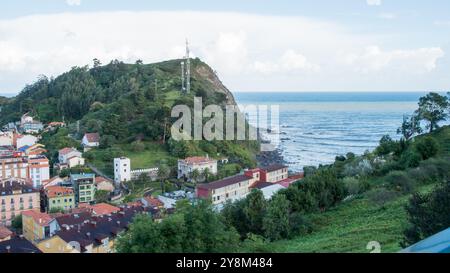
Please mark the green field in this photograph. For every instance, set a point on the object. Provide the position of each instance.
(152, 156)
(350, 227)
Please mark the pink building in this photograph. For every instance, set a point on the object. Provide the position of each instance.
(16, 195)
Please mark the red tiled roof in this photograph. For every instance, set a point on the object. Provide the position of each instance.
(104, 209)
(100, 179)
(55, 191)
(42, 219)
(154, 202)
(66, 151)
(5, 233)
(198, 160)
(92, 137)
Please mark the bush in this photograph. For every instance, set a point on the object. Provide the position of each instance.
(427, 147)
(300, 225)
(381, 196)
(137, 146)
(399, 181)
(355, 186)
(410, 159)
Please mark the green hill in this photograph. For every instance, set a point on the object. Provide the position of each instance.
(129, 105)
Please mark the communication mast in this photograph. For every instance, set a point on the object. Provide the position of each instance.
(188, 68)
(183, 88)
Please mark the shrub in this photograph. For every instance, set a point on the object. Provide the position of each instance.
(427, 147)
(355, 186)
(410, 159)
(300, 225)
(137, 146)
(381, 196)
(399, 181)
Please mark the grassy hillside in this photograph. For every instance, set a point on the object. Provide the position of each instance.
(350, 226)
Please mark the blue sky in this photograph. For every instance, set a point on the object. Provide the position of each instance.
(302, 45)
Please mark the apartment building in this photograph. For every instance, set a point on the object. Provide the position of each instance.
(16, 196)
(36, 169)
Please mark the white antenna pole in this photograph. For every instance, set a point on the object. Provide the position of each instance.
(188, 68)
(182, 77)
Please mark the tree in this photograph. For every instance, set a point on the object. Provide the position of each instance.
(17, 223)
(101, 196)
(97, 63)
(254, 210)
(194, 229)
(428, 214)
(276, 222)
(433, 109)
(163, 174)
(195, 175)
(410, 127)
(387, 145)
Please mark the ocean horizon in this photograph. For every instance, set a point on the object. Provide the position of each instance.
(317, 127)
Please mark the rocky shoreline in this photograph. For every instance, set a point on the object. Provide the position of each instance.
(270, 158)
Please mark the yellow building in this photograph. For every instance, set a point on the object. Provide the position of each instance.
(56, 245)
(59, 198)
(37, 226)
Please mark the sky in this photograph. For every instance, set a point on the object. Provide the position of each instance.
(254, 45)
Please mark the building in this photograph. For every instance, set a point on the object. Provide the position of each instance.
(5, 234)
(6, 138)
(95, 234)
(103, 184)
(24, 140)
(29, 125)
(274, 173)
(66, 153)
(18, 245)
(438, 243)
(269, 179)
(84, 187)
(58, 198)
(33, 150)
(69, 158)
(34, 168)
(152, 202)
(39, 170)
(231, 188)
(187, 166)
(102, 209)
(37, 226)
(122, 170)
(91, 140)
(16, 196)
(54, 181)
(26, 118)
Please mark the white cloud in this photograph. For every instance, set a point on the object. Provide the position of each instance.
(299, 53)
(73, 2)
(373, 2)
(374, 59)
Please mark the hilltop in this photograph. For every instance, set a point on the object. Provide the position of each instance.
(129, 105)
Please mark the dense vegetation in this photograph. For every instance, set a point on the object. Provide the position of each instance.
(130, 106)
(397, 194)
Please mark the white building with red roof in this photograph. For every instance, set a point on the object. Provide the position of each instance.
(91, 140)
(69, 158)
(187, 166)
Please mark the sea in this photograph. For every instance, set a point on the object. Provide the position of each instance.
(315, 127)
